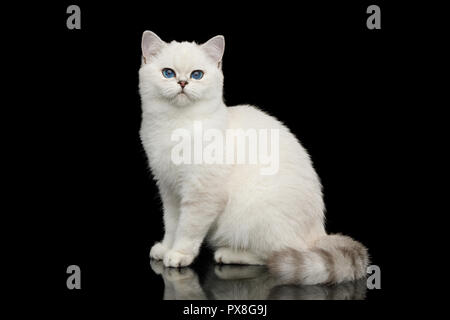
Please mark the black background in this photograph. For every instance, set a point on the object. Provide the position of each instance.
(315, 66)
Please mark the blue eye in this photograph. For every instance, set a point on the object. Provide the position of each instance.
(197, 74)
(168, 73)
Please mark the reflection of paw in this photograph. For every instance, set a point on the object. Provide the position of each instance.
(157, 266)
(235, 272)
(171, 274)
(175, 258)
(158, 251)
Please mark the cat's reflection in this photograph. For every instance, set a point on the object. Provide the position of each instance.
(244, 282)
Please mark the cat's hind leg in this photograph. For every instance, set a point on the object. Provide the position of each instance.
(227, 255)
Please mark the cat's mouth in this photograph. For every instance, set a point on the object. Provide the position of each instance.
(182, 93)
(182, 97)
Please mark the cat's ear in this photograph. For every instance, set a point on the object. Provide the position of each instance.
(215, 48)
(151, 45)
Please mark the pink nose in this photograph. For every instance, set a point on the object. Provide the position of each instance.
(182, 83)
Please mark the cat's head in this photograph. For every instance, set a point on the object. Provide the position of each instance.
(181, 73)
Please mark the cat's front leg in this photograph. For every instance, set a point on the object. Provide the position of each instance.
(198, 211)
(171, 215)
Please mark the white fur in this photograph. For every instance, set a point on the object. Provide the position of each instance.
(233, 206)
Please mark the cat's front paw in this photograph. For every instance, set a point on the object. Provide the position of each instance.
(176, 259)
(158, 251)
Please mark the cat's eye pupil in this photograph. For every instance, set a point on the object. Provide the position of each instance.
(197, 74)
(168, 73)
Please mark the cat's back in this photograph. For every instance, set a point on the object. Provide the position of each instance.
(248, 117)
(251, 117)
(259, 199)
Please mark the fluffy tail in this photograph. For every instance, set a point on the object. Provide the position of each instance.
(332, 259)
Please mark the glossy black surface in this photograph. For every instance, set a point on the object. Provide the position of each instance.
(92, 201)
(245, 282)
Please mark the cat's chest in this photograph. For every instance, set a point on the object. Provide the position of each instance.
(160, 141)
(170, 145)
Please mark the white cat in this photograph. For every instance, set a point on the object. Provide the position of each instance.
(247, 217)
